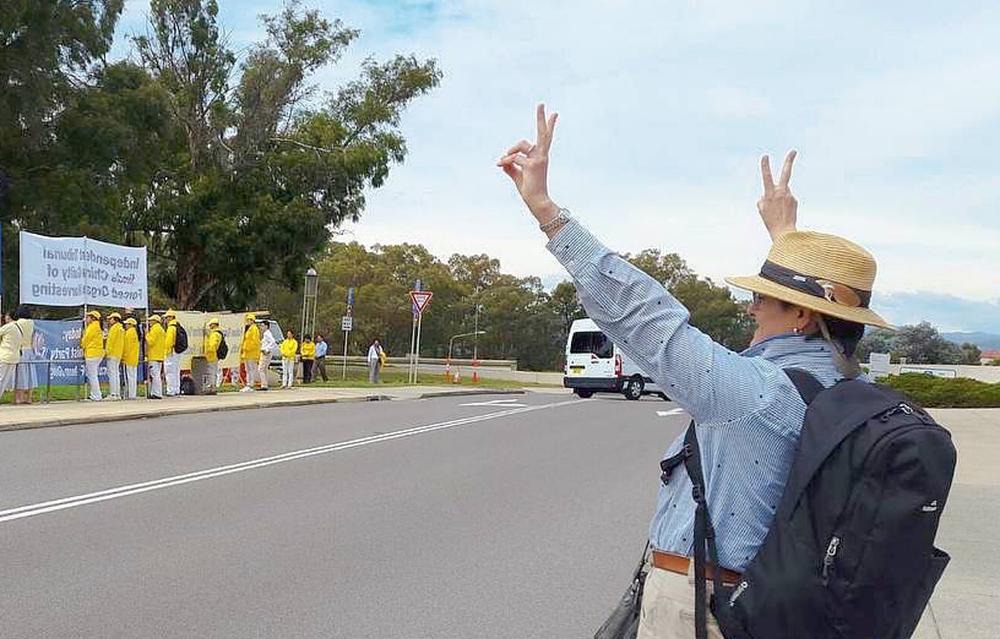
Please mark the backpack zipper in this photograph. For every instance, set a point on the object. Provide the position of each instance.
(736, 593)
(831, 554)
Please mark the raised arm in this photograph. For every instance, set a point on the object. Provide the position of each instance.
(710, 381)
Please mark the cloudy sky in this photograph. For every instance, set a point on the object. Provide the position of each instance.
(665, 107)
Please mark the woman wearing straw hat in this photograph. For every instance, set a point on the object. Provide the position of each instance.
(810, 304)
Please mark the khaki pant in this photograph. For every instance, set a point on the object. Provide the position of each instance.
(668, 607)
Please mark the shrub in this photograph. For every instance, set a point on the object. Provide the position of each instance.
(941, 392)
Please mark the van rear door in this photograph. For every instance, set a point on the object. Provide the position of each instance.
(591, 354)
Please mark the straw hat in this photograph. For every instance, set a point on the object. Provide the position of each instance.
(824, 273)
(94, 314)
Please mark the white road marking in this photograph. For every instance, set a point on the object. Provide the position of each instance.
(506, 403)
(41, 508)
(667, 413)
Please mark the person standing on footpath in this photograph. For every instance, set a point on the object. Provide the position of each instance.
(10, 352)
(288, 348)
(156, 352)
(116, 347)
(26, 378)
(308, 352)
(810, 304)
(172, 361)
(92, 343)
(268, 347)
(374, 362)
(212, 342)
(130, 357)
(321, 348)
(250, 350)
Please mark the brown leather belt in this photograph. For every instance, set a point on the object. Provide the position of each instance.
(680, 565)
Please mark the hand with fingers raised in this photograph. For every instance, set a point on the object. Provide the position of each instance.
(778, 207)
(527, 165)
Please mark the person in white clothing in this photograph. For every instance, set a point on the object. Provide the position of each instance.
(10, 353)
(374, 362)
(268, 345)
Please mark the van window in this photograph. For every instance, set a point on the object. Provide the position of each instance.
(594, 342)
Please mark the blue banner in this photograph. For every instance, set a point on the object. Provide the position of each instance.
(59, 340)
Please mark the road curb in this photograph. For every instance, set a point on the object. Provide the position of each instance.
(172, 411)
(477, 391)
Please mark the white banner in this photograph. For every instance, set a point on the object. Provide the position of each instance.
(73, 271)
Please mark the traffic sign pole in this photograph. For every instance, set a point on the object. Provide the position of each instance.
(420, 301)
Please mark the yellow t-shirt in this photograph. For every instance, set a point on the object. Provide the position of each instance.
(212, 346)
(92, 340)
(116, 340)
(156, 342)
(308, 350)
(288, 348)
(130, 347)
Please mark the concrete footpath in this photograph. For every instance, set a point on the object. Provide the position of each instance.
(966, 603)
(67, 413)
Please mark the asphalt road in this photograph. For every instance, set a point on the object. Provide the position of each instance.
(506, 516)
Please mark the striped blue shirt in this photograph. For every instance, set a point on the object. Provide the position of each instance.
(748, 412)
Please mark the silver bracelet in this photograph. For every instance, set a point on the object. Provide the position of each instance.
(561, 218)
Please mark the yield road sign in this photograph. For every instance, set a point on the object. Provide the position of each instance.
(420, 300)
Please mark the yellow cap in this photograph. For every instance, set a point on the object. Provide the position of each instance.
(130, 321)
(214, 321)
(250, 317)
(116, 315)
(170, 313)
(94, 314)
(154, 318)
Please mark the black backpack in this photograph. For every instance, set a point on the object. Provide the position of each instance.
(223, 349)
(181, 341)
(850, 553)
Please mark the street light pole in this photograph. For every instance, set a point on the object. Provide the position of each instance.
(451, 342)
(475, 343)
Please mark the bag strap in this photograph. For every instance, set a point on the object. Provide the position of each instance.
(806, 383)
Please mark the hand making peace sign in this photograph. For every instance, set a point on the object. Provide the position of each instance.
(528, 166)
(778, 207)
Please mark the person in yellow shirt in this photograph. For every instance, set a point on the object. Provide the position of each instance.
(250, 350)
(115, 347)
(288, 348)
(92, 343)
(212, 342)
(172, 359)
(156, 351)
(130, 356)
(308, 352)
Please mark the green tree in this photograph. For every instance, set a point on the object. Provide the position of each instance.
(258, 180)
(566, 305)
(971, 354)
(878, 340)
(47, 49)
(922, 344)
(668, 269)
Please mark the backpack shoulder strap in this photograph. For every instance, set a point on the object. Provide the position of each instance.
(806, 383)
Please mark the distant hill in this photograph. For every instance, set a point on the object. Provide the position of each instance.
(985, 341)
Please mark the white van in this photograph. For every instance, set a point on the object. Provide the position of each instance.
(594, 364)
